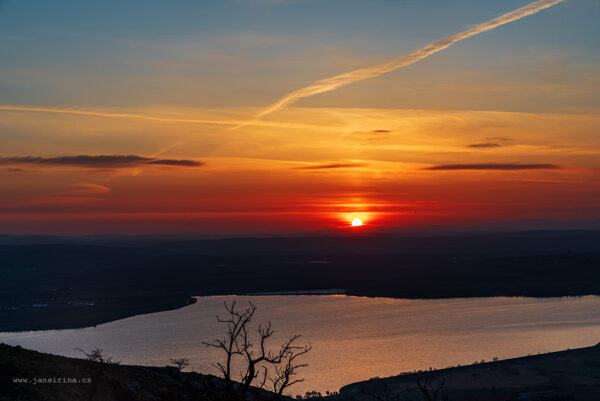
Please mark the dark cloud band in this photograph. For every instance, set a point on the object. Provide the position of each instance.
(485, 145)
(99, 161)
(330, 166)
(494, 166)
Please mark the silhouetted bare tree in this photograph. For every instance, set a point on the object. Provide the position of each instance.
(236, 321)
(277, 367)
(383, 392)
(180, 363)
(98, 355)
(428, 388)
(432, 388)
(285, 373)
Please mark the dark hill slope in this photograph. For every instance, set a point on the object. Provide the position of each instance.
(102, 382)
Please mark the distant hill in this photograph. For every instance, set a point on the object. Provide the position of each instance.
(83, 282)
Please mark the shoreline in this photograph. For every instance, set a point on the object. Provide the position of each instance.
(83, 284)
(182, 302)
(333, 291)
(45, 318)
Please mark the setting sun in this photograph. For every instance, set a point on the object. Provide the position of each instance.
(357, 222)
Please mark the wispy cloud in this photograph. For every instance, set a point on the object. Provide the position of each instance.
(330, 166)
(494, 166)
(85, 189)
(485, 145)
(99, 161)
(93, 113)
(157, 118)
(333, 83)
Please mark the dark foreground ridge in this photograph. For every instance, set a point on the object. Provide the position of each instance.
(558, 376)
(55, 283)
(23, 372)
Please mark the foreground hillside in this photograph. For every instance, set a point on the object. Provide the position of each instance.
(565, 375)
(23, 372)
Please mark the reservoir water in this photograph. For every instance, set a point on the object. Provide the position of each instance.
(353, 338)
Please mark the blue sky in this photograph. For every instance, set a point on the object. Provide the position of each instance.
(247, 52)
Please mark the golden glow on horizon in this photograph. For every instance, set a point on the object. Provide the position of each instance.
(357, 222)
(373, 165)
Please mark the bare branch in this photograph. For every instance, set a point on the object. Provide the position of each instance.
(432, 387)
(236, 322)
(98, 355)
(180, 363)
(279, 367)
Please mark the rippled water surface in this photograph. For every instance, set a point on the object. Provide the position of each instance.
(353, 338)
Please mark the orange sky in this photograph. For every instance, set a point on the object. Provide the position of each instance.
(308, 169)
(146, 123)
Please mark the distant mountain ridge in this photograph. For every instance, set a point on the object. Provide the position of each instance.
(79, 283)
(509, 226)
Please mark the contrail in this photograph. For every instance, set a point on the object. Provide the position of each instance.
(92, 113)
(330, 84)
(111, 114)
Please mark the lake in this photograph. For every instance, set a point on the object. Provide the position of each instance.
(353, 338)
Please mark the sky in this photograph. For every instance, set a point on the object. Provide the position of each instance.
(141, 117)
